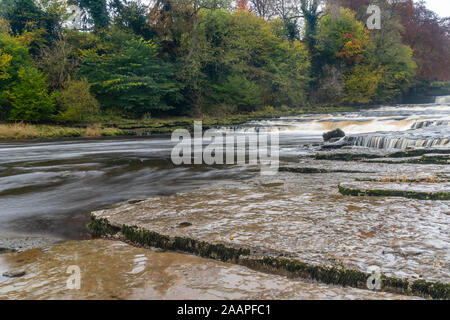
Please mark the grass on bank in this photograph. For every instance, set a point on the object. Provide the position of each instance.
(18, 131)
(114, 125)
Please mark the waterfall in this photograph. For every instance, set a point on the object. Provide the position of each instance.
(430, 123)
(386, 142)
(442, 100)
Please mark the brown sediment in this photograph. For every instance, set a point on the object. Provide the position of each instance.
(115, 270)
(272, 264)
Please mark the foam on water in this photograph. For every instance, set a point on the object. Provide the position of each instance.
(386, 127)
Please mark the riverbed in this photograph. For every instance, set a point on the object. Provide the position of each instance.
(49, 188)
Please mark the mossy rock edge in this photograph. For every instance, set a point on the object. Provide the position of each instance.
(275, 265)
(395, 193)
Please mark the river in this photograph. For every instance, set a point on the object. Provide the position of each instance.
(48, 188)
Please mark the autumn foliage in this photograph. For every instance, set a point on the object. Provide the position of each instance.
(429, 37)
(242, 5)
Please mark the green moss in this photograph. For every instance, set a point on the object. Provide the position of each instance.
(431, 289)
(101, 227)
(278, 265)
(444, 159)
(417, 153)
(302, 170)
(346, 278)
(346, 156)
(315, 170)
(399, 285)
(295, 268)
(395, 193)
(400, 180)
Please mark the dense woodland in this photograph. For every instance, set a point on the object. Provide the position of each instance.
(143, 59)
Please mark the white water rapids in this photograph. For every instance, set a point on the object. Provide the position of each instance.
(387, 127)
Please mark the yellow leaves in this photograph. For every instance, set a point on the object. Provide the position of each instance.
(352, 49)
(5, 62)
(361, 83)
(4, 26)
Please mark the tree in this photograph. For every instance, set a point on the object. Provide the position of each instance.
(375, 65)
(240, 92)
(5, 63)
(132, 15)
(241, 47)
(394, 58)
(242, 5)
(263, 8)
(340, 37)
(429, 37)
(126, 74)
(76, 102)
(58, 62)
(361, 84)
(27, 15)
(311, 14)
(14, 55)
(29, 97)
(97, 10)
(341, 43)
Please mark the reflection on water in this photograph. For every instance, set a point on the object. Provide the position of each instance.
(112, 270)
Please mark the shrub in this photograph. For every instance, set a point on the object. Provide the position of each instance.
(238, 91)
(76, 102)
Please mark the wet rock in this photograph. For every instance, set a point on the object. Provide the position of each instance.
(6, 250)
(401, 191)
(338, 133)
(14, 273)
(19, 244)
(335, 145)
(134, 201)
(184, 225)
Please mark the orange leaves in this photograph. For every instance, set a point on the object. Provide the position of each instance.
(352, 50)
(242, 5)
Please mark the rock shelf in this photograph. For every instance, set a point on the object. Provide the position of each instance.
(285, 228)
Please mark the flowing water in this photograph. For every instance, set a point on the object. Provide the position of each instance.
(48, 188)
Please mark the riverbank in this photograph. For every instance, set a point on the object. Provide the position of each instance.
(114, 126)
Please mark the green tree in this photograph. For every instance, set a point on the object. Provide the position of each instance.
(29, 97)
(361, 84)
(340, 37)
(97, 10)
(28, 15)
(126, 74)
(240, 92)
(14, 55)
(76, 102)
(240, 47)
(395, 59)
(132, 15)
